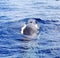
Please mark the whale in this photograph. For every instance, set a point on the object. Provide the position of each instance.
(30, 28)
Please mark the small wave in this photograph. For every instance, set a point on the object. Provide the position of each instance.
(13, 43)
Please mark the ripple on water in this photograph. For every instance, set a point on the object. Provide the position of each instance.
(14, 44)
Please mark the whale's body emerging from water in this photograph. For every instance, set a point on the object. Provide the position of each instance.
(30, 28)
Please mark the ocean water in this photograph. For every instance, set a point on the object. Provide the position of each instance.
(13, 14)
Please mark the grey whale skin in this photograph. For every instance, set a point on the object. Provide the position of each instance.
(30, 28)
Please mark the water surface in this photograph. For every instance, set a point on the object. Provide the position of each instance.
(13, 13)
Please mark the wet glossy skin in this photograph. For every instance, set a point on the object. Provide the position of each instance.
(31, 28)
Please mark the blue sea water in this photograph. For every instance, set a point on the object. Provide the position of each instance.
(13, 14)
